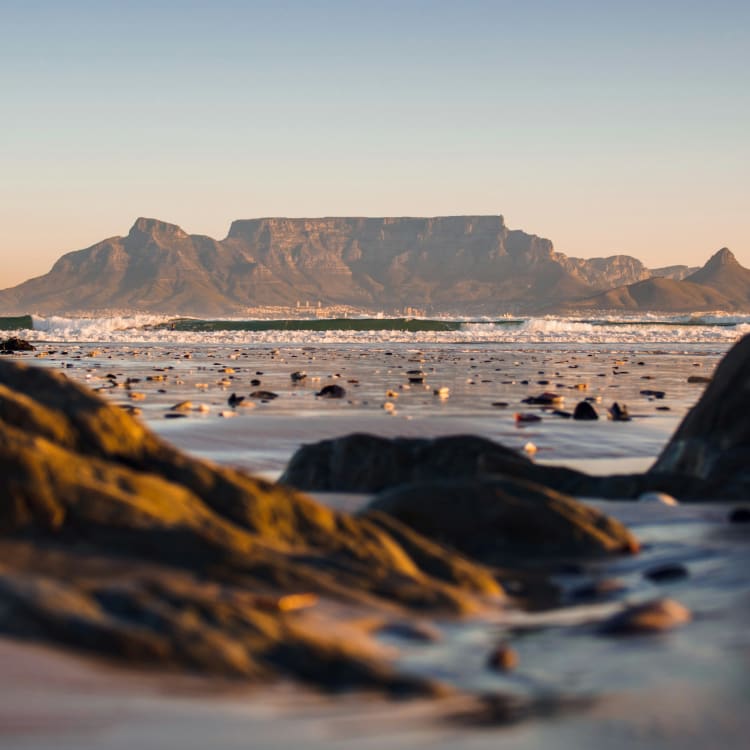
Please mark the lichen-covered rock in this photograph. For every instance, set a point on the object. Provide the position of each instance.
(504, 521)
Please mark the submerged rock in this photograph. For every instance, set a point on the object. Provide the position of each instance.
(114, 541)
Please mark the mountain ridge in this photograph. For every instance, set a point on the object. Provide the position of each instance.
(468, 264)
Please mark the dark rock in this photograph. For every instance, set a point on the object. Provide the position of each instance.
(503, 521)
(653, 394)
(503, 658)
(331, 391)
(656, 616)
(255, 382)
(711, 448)
(739, 515)
(698, 379)
(544, 399)
(619, 413)
(585, 411)
(666, 573)
(264, 395)
(14, 344)
(298, 376)
(235, 400)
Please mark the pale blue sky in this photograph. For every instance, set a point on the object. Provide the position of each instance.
(607, 127)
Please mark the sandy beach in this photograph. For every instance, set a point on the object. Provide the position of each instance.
(683, 689)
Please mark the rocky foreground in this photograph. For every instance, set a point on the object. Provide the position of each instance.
(113, 541)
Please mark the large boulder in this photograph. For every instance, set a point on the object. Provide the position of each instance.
(112, 540)
(369, 463)
(504, 522)
(711, 448)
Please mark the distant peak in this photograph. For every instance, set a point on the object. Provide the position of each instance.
(154, 226)
(723, 257)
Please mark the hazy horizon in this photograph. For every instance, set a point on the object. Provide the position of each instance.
(605, 129)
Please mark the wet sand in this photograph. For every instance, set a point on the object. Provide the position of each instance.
(683, 689)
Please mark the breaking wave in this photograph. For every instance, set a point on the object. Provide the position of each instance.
(653, 328)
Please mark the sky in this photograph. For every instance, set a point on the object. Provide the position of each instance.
(608, 127)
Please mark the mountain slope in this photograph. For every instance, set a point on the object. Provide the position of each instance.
(721, 284)
(455, 263)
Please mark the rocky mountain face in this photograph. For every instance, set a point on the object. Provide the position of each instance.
(466, 264)
(721, 284)
(461, 263)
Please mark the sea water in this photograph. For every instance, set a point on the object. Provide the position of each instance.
(683, 689)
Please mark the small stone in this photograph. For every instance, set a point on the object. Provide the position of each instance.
(235, 400)
(619, 413)
(665, 573)
(331, 391)
(653, 394)
(657, 497)
(500, 404)
(698, 379)
(739, 515)
(526, 417)
(656, 616)
(503, 658)
(298, 376)
(584, 411)
(530, 448)
(264, 395)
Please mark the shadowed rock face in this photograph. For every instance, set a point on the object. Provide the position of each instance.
(112, 540)
(712, 445)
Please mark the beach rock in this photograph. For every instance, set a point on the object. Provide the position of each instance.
(264, 395)
(655, 616)
(298, 376)
(619, 413)
(331, 391)
(113, 541)
(14, 344)
(739, 515)
(235, 400)
(711, 448)
(503, 658)
(585, 411)
(502, 521)
(666, 573)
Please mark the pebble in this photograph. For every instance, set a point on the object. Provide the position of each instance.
(584, 411)
(668, 572)
(527, 417)
(698, 379)
(331, 391)
(298, 376)
(503, 658)
(657, 497)
(656, 616)
(619, 413)
(182, 406)
(739, 515)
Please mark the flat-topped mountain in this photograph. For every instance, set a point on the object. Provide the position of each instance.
(467, 264)
(721, 284)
